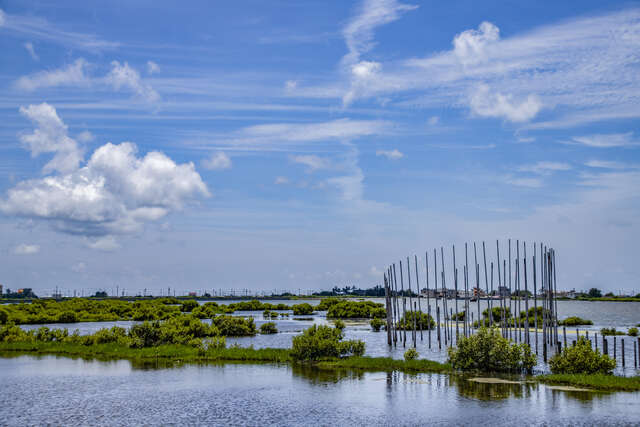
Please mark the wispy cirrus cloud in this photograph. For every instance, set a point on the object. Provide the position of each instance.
(606, 140)
(394, 154)
(34, 27)
(545, 168)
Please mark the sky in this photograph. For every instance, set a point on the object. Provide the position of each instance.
(302, 145)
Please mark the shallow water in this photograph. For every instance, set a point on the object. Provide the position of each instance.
(63, 391)
(626, 313)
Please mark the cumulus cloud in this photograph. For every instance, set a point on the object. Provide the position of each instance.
(606, 140)
(31, 50)
(390, 154)
(50, 136)
(24, 249)
(115, 192)
(152, 68)
(469, 46)
(545, 168)
(124, 77)
(217, 161)
(312, 162)
(281, 180)
(104, 244)
(74, 74)
(483, 103)
(2, 18)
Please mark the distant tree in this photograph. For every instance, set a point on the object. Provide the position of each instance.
(595, 293)
(101, 294)
(609, 294)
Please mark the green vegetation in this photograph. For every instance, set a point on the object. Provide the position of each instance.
(632, 332)
(339, 324)
(255, 305)
(497, 313)
(595, 293)
(581, 359)
(411, 354)
(356, 310)
(600, 382)
(268, 328)
(385, 364)
(611, 331)
(423, 321)
(488, 351)
(302, 309)
(189, 305)
(575, 321)
(376, 324)
(325, 303)
(323, 342)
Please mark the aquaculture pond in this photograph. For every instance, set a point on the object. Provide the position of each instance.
(62, 391)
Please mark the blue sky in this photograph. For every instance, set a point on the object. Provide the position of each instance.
(286, 145)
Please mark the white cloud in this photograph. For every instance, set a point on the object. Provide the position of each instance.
(50, 136)
(122, 76)
(525, 182)
(285, 135)
(115, 192)
(71, 75)
(290, 85)
(544, 168)
(358, 33)
(433, 120)
(606, 140)
(32, 51)
(217, 161)
(390, 154)
(605, 164)
(281, 180)
(33, 27)
(85, 136)
(152, 68)
(312, 162)
(486, 104)
(24, 249)
(105, 244)
(469, 45)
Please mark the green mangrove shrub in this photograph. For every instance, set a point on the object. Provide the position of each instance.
(611, 331)
(423, 321)
(325, 303)
(356, 310)
(488, 351)
(268, 328)
(376, 324)
(324, 342)
(632, 332)
(575, 321)
(339, 324)
(581, 359)
(411, 354)
(302, 309)
(189, 305)
(231, 326)
(4, 316)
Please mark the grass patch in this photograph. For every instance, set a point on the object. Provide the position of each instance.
(385, 364)
(599, 382)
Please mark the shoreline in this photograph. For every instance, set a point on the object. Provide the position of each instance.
(187, 354)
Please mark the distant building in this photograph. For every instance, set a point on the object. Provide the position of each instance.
(193, 294)
(503, 291)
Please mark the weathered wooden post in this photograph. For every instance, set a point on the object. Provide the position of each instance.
(387, 301)
(622, 350)
(455, 283)
(564, 334)
(419, 293)
(426, 266)
(438, 324)
(527, 337)
(535, 295)
(615, 349)
(404, 308)
(486, 285)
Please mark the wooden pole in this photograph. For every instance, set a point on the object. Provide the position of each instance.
(415, 311)
(395, 280)
(486, 285)
(404, 308)
(510, 293)
(455, 282)
(475, 260)
(444, 298)
(466, 289)
(435, 287)
(622, 350)
(535, 296)
(419, 293)
(555, 290)
(527, 337)
(615, 349)
(413, 314)
(500, 289)
(387, 301)
(438, 324)
(426, 266)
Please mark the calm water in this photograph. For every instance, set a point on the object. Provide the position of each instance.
(619, 314)
(63, 391)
